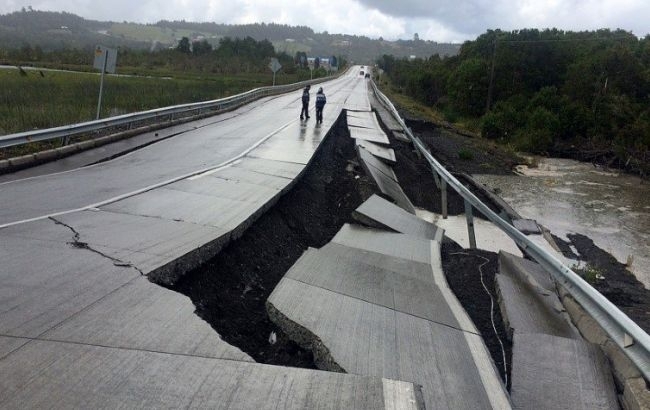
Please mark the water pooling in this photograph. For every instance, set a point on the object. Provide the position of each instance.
(568, 196)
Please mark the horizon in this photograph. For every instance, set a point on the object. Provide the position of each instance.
(431, 20)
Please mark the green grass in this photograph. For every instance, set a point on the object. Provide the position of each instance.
(589, 273)
(166, 36)
(36, 102)
(32, 101)
(291, 47)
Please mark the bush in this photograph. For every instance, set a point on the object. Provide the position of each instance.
(539, 133)
(465, 155)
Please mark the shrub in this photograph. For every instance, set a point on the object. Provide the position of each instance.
(465, 155)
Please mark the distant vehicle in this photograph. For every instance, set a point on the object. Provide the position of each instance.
(361, 72)
(367, 75)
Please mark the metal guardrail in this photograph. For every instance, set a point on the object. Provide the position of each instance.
(126, 119)
(632, 340)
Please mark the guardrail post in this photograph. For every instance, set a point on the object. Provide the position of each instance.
(470, 225)
(443, 192)
(436, 178)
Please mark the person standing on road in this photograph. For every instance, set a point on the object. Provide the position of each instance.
(320, 103)
(305, 103)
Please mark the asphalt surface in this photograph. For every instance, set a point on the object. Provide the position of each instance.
(226, 137)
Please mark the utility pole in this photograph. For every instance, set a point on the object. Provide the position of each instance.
(491, 85)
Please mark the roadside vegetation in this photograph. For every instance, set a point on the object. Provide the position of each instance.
(583, 95)
(36, 99)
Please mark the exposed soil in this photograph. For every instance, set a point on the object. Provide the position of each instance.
(464, 154)
(416, 178)
(461, 267)
(615, 282)
(230, 291)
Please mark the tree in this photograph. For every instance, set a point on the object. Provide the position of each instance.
(184, 46)
(301, 59)
(468, 86)
(202, 47)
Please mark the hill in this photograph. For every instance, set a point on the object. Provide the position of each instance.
(59, 30)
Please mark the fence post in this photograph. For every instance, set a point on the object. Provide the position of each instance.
(470, 225)
(443, 192)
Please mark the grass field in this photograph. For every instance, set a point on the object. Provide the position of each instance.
(166, 36)
(33, 101)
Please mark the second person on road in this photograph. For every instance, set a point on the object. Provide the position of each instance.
(320, 103)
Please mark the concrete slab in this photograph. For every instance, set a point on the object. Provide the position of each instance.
(58, 282)
(240, 174)
(363, 120)
(358, 100)
(9, 344)
(526, 271)
(527, 226)
(65, 375)
(488, 236)
(358, 113)
(289, 170)
(550, 372)
(385, 178)
(528, 299)
(378, 211)
(145, 316)
(368, 134)
(383, 153)
(385, 116)
(417, 270)
(235, 189)
(531, 310)
(299, 149)
(373, 284)
(119, 231)
(203, 210)
(392, 244)
(363, 338)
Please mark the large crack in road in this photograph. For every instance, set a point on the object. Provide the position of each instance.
(230, 290)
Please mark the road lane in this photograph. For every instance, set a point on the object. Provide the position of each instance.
(191, 152)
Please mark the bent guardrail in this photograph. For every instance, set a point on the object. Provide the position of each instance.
(632, 340)
(67, 131)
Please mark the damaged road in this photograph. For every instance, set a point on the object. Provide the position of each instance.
(77, 243)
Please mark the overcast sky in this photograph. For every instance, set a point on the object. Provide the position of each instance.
(437, 20)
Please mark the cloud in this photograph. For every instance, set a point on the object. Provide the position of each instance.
(473, 17)
(438, 20)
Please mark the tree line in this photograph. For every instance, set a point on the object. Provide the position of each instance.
(582, 94)
(232, 56)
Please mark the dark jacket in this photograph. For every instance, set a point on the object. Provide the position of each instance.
(305, 95)
(320, 100)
